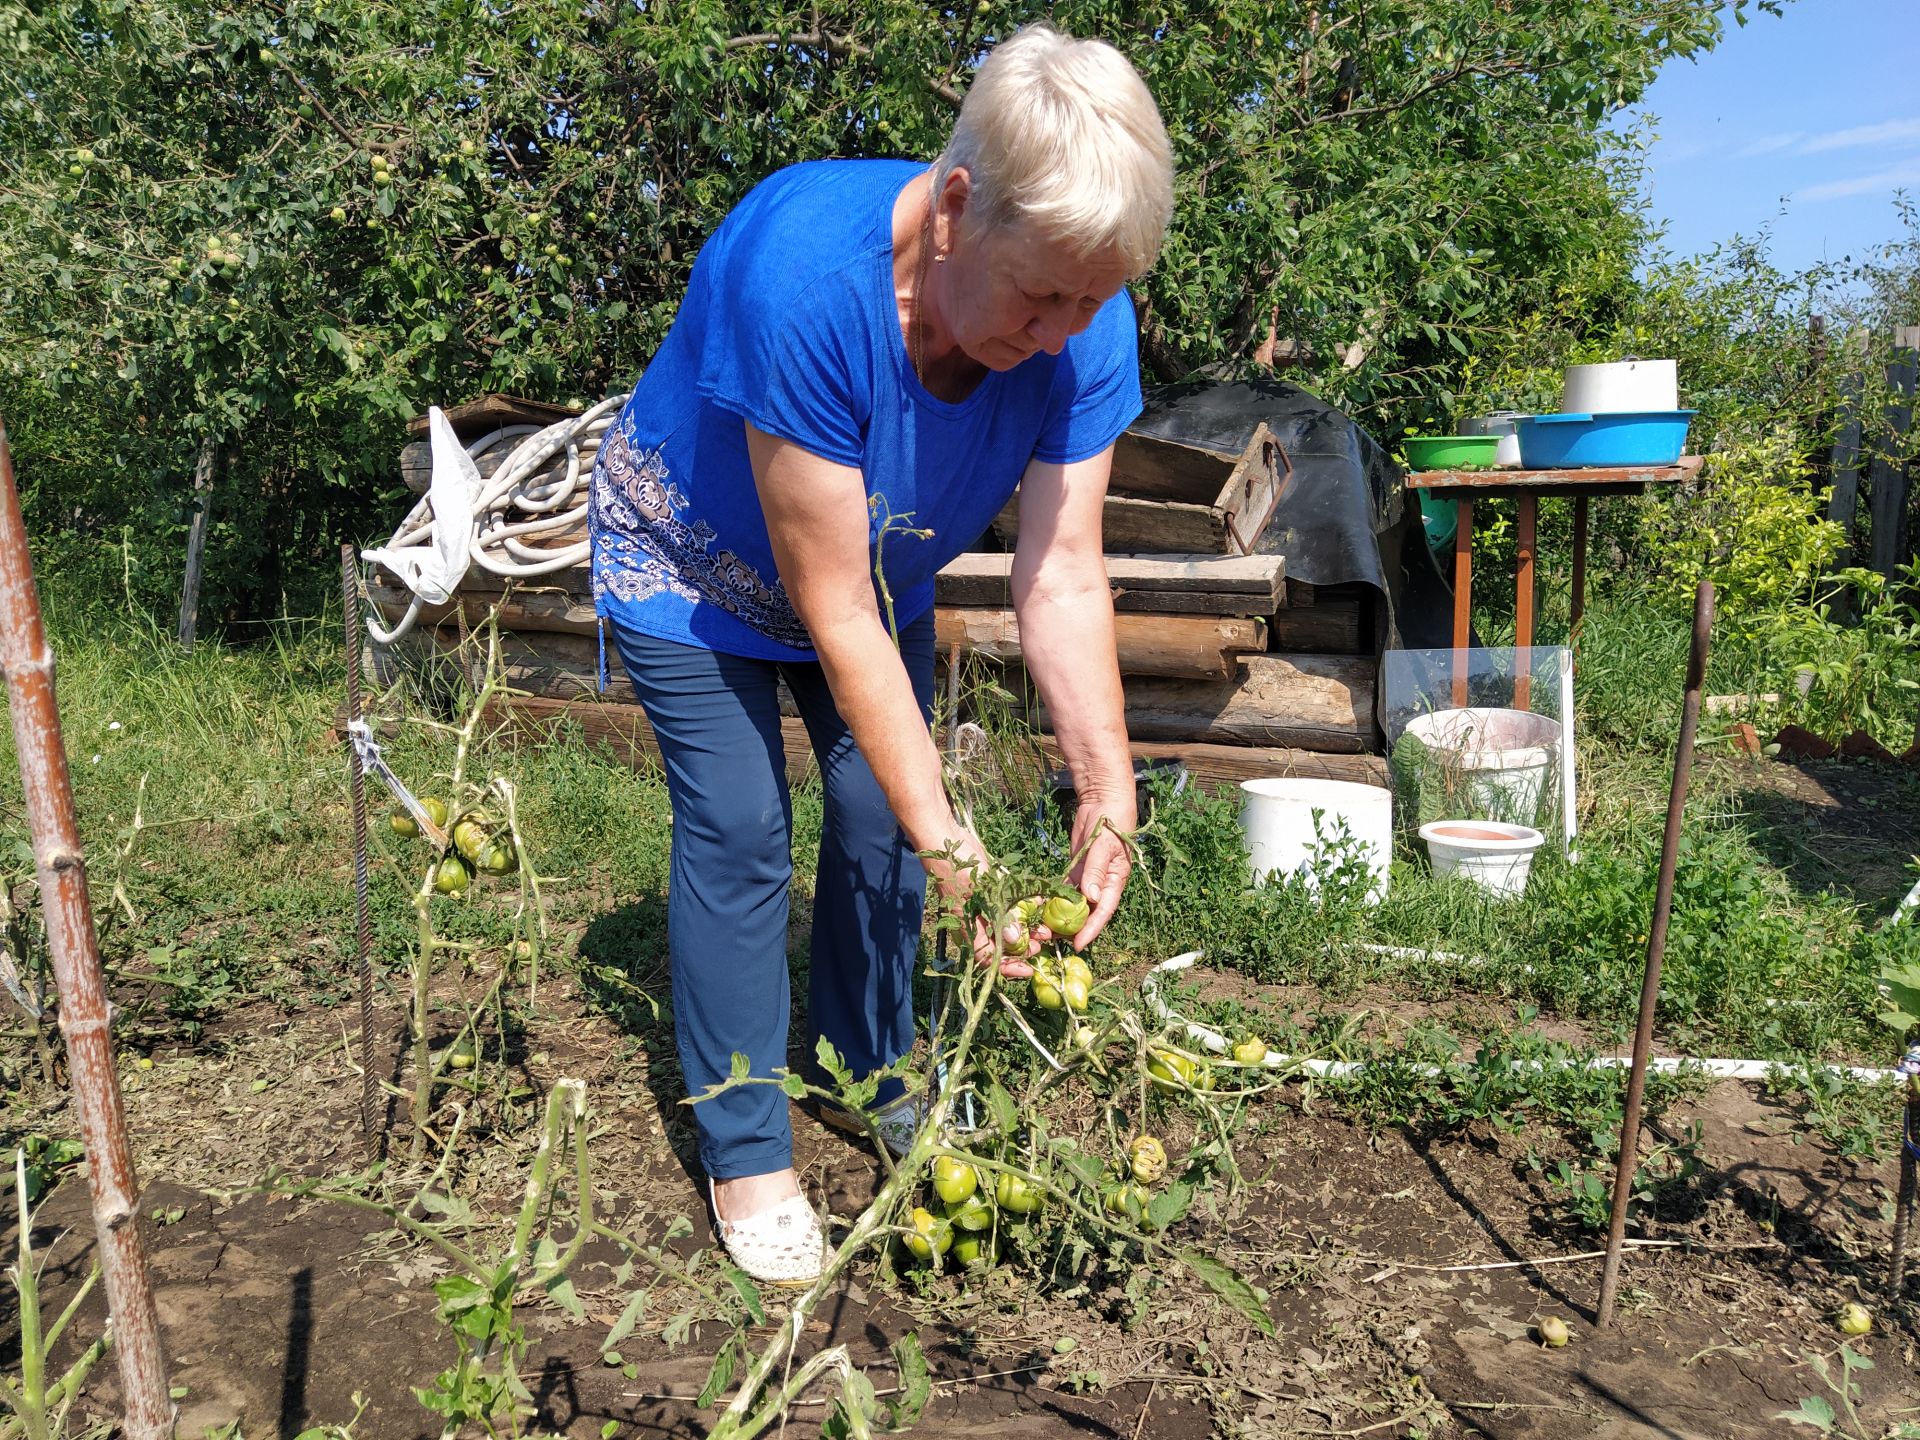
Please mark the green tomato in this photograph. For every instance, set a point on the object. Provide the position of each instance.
(470, 835)
(974, 1213)
(1016, 1194)
(76, 169)
(467, 147)
(1046, 994)
(975, 1252)
(1855, 1319)
(1125, 1200)
(930, 1236)
(1554, 1332)
(1074, 968)
(1168, 1071)
(337, 214)
(1074, 992)
(1147, 1159)
(83, 155)
(1067, 915)
(401, 822)
(953, 1179)
(450, 876)
(1250, 1051)
(497, 858)
(436, 810)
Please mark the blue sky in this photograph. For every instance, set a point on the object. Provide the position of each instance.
(1808, 123)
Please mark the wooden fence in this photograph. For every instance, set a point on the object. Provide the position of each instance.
(1860, 471)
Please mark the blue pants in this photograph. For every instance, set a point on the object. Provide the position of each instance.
(717, 719)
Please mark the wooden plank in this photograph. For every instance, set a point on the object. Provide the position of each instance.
(1308, 702)
(1213, 766)
(1227, 523)
(1888, 484)
(1171, 584)
(556, 611)
(1843, 466)
(622, 730)
(196, 545)
(1193, 647)
(1159, 469)
(1144, 527)
(1332, 627)
(416, 462)
(1254, 488)
(492, 410)
(1570, 482)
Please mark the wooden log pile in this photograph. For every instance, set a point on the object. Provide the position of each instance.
(1227, 664)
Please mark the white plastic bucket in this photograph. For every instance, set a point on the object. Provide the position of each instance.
(1290, 822)
(1495, 856)
(1500, 758)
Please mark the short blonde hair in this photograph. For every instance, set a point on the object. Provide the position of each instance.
(1063, 135)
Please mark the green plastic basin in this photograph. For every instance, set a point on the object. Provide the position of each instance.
(1451, 452)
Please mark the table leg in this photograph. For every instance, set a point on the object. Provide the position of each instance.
(1525, 531)
(1462, 598)
(1579, 565)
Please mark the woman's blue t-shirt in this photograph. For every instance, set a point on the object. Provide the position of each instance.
(790, 322)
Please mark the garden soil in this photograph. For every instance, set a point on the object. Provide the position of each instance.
(1405, 1274)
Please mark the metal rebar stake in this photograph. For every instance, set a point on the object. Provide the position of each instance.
(1903, 1206)
(372, 1135)
(1656, 952)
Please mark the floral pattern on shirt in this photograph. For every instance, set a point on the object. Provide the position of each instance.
(643, 548)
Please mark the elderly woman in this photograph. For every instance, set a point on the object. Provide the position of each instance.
(859, 340)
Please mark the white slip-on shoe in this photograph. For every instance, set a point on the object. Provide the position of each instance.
(781, 1246)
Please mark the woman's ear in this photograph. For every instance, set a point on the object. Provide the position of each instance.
(950, 210)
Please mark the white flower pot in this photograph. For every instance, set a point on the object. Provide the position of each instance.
(1501, 759)
(1495, 856)
(1289, 823)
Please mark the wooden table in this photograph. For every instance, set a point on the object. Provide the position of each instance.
(1527, 486)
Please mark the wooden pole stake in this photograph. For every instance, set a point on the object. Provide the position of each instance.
(84, 1022)
(196, 545)
(1656, 951)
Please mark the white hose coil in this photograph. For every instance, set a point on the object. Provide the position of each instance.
(512, 506)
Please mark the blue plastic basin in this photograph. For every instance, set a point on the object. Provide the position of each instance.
(1565, 442)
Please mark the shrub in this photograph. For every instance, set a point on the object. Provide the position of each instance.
(1753, 526)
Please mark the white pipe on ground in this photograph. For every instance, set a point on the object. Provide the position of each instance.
(1719, 1069)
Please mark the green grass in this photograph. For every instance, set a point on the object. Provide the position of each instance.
(239, 879)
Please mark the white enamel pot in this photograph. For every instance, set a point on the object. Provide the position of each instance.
(1620, 386)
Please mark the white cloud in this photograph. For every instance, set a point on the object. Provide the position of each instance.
(1884, 180)
(1770, 144)
(1890, 134)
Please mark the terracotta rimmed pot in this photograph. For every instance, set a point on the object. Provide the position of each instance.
(1494, 855)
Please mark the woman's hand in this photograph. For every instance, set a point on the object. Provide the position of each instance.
(954, 876)
(1102, 871)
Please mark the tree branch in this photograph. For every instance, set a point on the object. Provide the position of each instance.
(838, 46)
(1420, 92)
